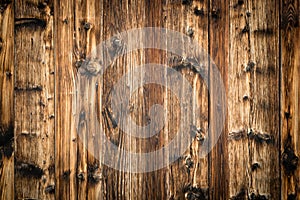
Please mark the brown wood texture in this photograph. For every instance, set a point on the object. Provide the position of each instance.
(34, 100)
(51, 91)
(253, 107)
(290, 99)
(6, 100)
(218, 52)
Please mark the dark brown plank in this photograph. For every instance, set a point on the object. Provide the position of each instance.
(290, 99)
(218, 51)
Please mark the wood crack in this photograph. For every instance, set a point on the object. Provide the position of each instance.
(30, 22)
(33, 88)
(29, 170)
(6, 134)
(257, 136)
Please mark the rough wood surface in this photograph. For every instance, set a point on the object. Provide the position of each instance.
(6, 100)
(218, 51)
(253, 107)
(264, 105)
(290, 99)
(34, 100)
(51, 91)
(238, 102)
(65, 133)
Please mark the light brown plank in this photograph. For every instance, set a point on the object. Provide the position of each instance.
(6, 100)
(188, 177)
(264, 105)
(88, 30)
(254, 119)
(238, 100)
(34, 100)
(65, 129)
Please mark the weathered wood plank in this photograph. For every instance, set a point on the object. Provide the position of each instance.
(65, 128)
(218, 51)
(241, 37)
(88, 30)
(264, 105)
(254, 104)
(238, 100)
(188, 176)
(290, 99)
(119, 17)
(34, 100)
(6, 100)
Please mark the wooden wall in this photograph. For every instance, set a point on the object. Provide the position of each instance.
(254, 43)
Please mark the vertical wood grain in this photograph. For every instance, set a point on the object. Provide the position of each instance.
(88, 34)
(34, 100)
(238, 100)
(117, 17)
(188, 181)
(6, 100)
(264, 94)
(254, 104)
(218, 51)
(290, 99)
(65, 131)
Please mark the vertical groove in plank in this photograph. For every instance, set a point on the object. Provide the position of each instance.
(290, 99)
(6, 100)
(65, 132)
(218, 44)
(34, 100)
